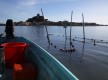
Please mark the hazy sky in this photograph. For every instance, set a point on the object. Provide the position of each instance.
(55, 10)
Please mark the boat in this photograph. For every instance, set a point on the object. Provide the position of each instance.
(46, 65)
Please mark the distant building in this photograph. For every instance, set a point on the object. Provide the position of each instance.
(36, 18)
(21, 23)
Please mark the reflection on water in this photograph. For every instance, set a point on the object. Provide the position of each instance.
(88, 62)
(82, 55)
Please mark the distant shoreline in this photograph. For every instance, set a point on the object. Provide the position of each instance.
(59, 23)
(55, 24)
(62, 25)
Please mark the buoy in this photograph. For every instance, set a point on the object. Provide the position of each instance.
(65, 50)
(60, 49)
(72, 45)
(101, 40)
(83, 41)
(94, 43)
(68, 50)
(51, 43)
(73, 49)
(55, 46)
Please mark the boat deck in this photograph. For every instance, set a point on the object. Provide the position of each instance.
(5, 73)
(18, 72)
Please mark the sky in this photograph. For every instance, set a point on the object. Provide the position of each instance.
(55, 10)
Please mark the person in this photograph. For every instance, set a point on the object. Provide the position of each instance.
(9, 29)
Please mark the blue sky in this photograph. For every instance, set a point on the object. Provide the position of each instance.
(55, 10)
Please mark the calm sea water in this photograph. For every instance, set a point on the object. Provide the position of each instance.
(88, 62)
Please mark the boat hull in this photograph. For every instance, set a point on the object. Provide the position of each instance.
(49, 68)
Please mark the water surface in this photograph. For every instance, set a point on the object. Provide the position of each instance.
(88, 62)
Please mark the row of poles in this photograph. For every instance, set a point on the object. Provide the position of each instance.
(71, 43)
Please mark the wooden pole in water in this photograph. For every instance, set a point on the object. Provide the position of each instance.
(65, 34)
(65, 26)
(45, 27)
(83, 27)
(71, 29)
(65, 40)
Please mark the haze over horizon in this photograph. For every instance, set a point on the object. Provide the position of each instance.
(55, 10)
